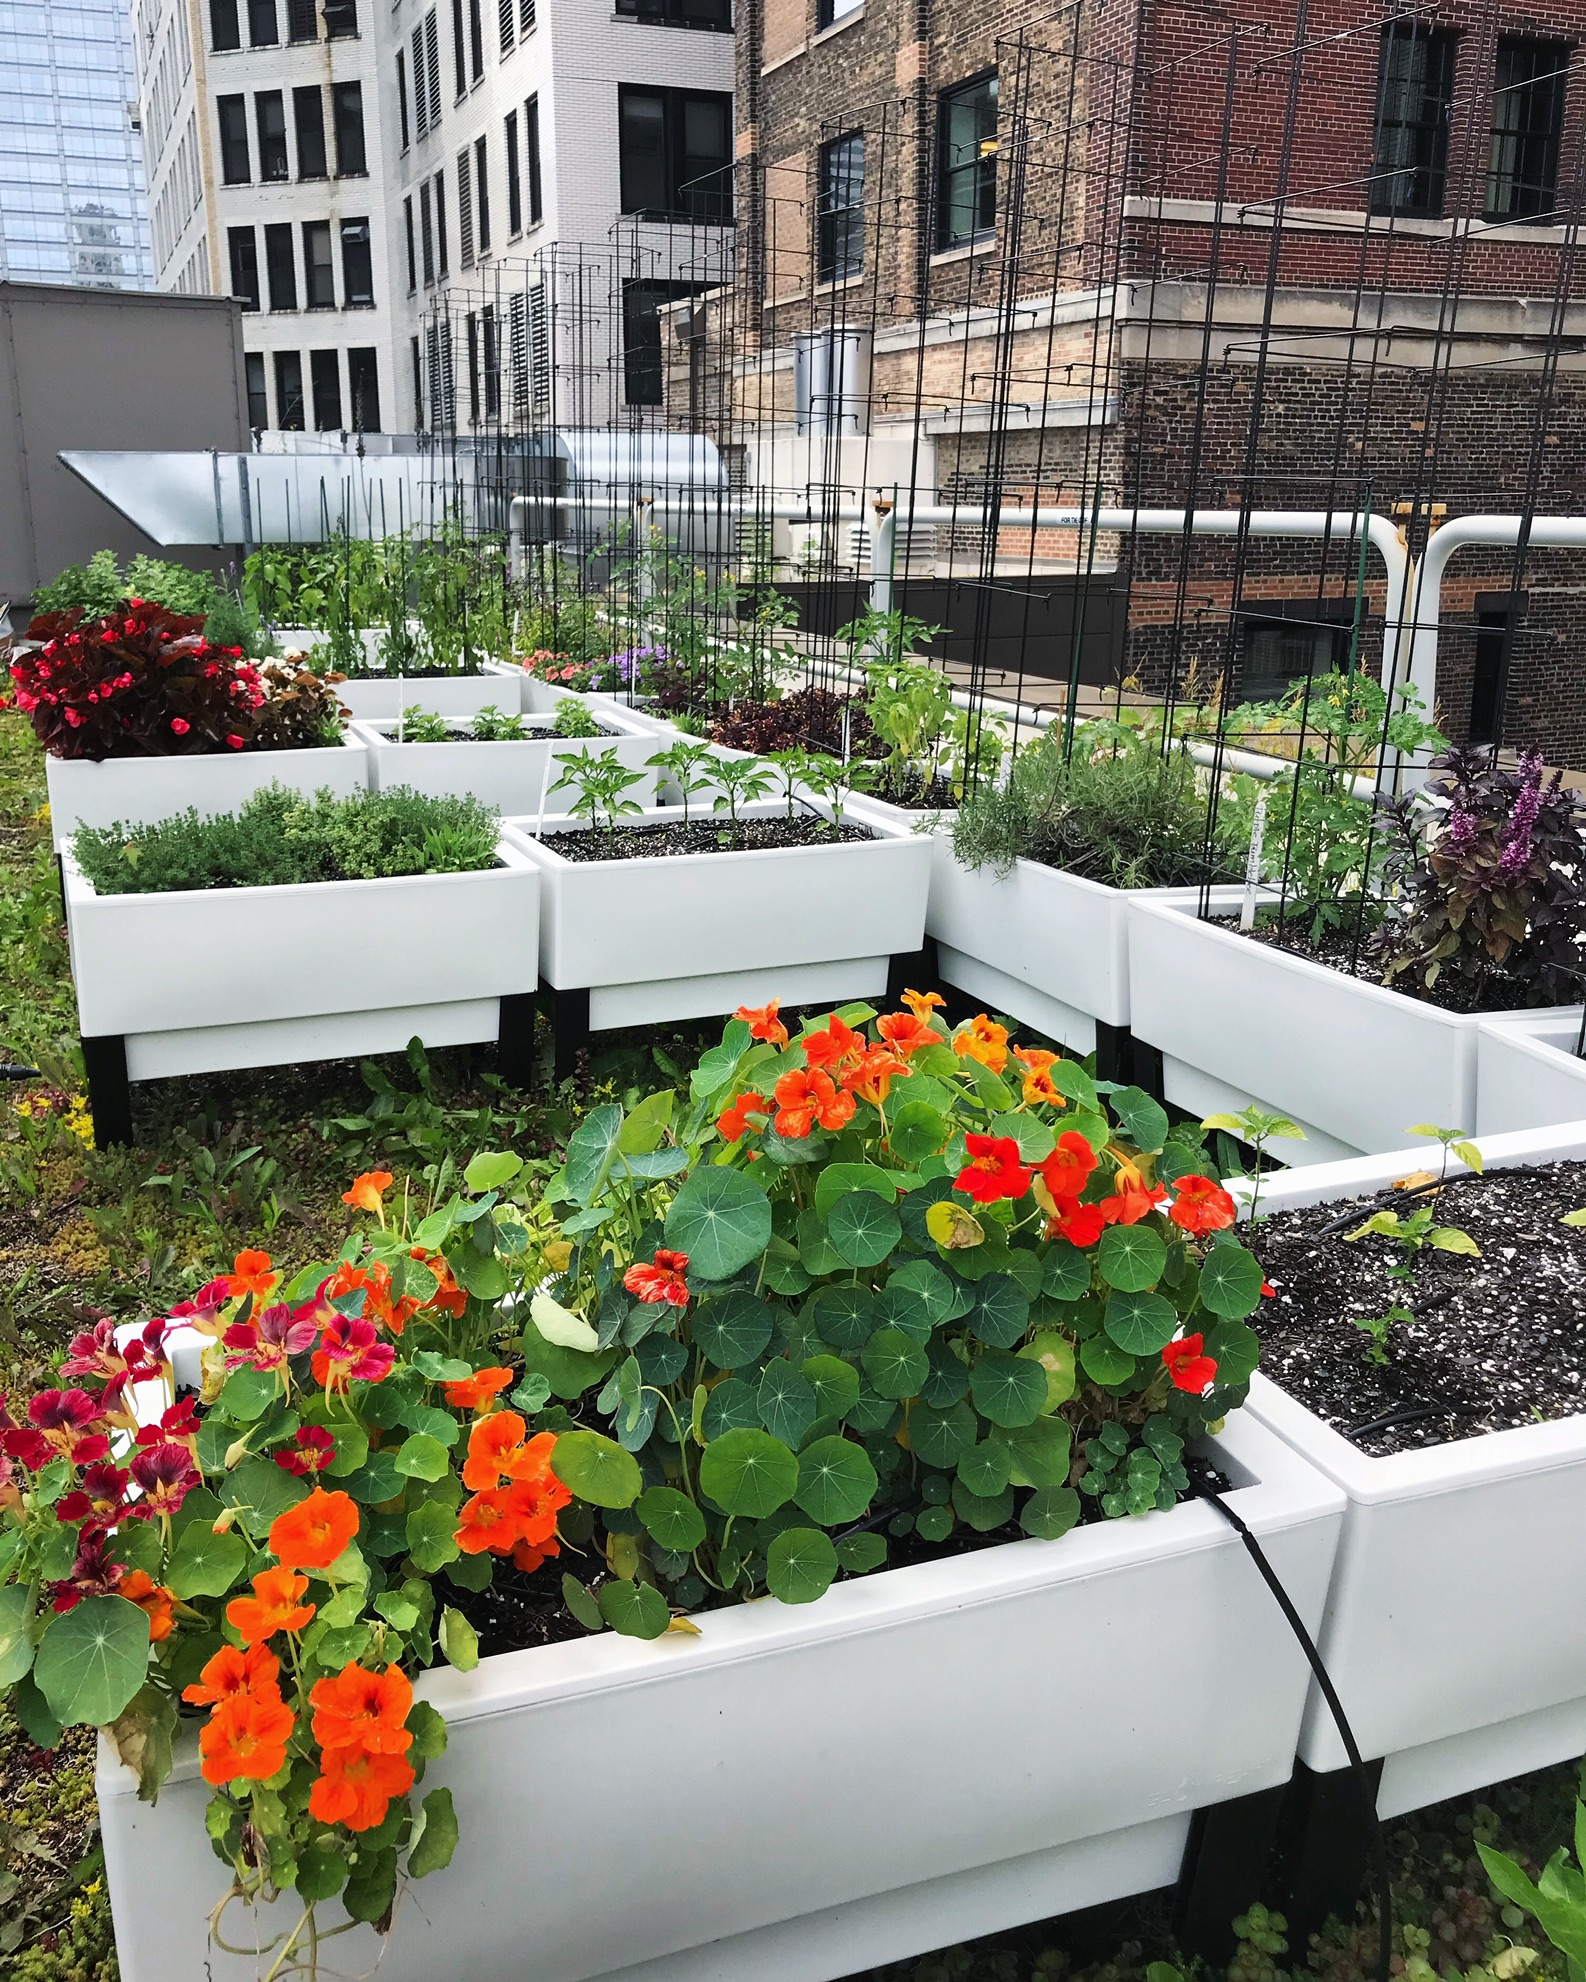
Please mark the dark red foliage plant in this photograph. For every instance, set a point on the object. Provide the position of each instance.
(140, 682)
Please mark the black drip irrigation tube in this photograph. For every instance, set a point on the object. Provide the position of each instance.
(1368, 1801)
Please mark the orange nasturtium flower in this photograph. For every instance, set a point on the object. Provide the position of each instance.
(231, 1673)
(499, 1448)
(448, 1296)
(522, 1511)
(1038, 1082)
(661, 1280)
(276, 1605)
(923, 1003)
(905, 1033)
(368, 1192)
(479, 1391)
(315, 1532)
(251, 1275)
(980, 1039)
(364, 1710)
(245, 1736)
(734, 1123)
(873, 1074)
(805, 1098)
(1133, 1198)
(139, 1587)
(355, 1788)
(833, 1047)
(763, 1022)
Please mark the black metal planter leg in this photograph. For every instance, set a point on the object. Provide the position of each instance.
(914, 970)
(1147, 1069)
(1114, 1053)
(515, 1039)
(1225, 1871)
(569, 1016)
(109, 1093)
(1325, 1848)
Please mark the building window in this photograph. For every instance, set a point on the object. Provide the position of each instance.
(421, 109)
(324, 378)
(363, 389)
(402, 94)
(269, 113)
(418, 383)
(481, 198)
(1286, 645)
(407, 229)
(476, 41)
(440, 223)
(531, 159)
(525, 18)
(279, 266)
(840, 209)
(302, 21)
(263, 28)
(357, 265)
(347, 102)
(225, 31)
(258, 396)
(473, 368)
(1527, 123)
(675, 150)
(319, 275)
(427, 233)
(459, 53)
(308, 122)
(966, 162)
(341, 19)
(492, 358)
(244, 246)
(289, 391)
(829, 12)
(514, 188)
(465, 208)
(506, 31)
(232, 112)
(680, 13)
(432, 63)
(1415, 104)
(1497, 614)
(643, 379)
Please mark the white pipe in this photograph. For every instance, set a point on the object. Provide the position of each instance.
(1546, 533)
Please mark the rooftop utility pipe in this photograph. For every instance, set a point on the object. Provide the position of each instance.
(1545, 533)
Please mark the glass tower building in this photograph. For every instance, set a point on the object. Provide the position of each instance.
(73, 206)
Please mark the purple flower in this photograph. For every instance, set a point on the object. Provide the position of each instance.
(1458, 831)
(1516, 854)
(278, 1333)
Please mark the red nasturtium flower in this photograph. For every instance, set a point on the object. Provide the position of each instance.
(1068, 1169)
(276, 1605)
(763, 1022)
(805, 1097)
(351, 1349)
(368, 1192)
(251, 1275)
(98, 1500)
(1189, 1369)
(272, 1337)
(315, 1532)
(245, 1738)
(979, 1039)
(231, 1672)
(662, 1281)
(1201, 1205)
(734, 1123)
(1081, 1224)
(993, 1171)
(167, 1475)
(139, 1587)
(355, 1788)
(364, 1710)
(314, 1450)
(1133, 1198)
(61, 1425)
(479, 1391)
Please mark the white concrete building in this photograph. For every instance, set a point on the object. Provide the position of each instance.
(445, 214)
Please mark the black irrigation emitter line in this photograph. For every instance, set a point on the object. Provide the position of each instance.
(1203, 1490)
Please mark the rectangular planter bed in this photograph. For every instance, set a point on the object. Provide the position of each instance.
(135, 791)
(692, 935)
(377, 698)
(217, 978)
(1442, 1679)
(508, 777)
(926, 1753)
(1236, 1020)
(541, 698)
(1527, 1072)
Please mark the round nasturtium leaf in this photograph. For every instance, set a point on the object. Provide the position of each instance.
(1050, 1513)
(1142, 1323)
(1055, 1353)
(1131, 1257)
(637, 1610)
(844, 1316)
(953, 1226)
(1009, 1390)
(16, 1648)
(949, 1374)
(732, 1329)
(1236, 1348)
(748, 1472)
(986, 1468)
(835, 1384)
(982, 1512)
(1039, 1453)
(786, 1401)
(898, 1307)
(722, 1220)
(1002, 1311)
(1104, 1362)
(730, 1406)
(1065, 1271)
(596, 1468)
(671, 1518)
(92, 1659)
(205, 1564)
(837, 1481)
(895, 1364)
(935, 1524)
(917, 1131)
(928, 1284)
(859, 1554)
(800, 1565)
(938, 1434)
(1230, 1282)
(863, 1229)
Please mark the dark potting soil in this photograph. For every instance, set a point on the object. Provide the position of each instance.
(463, 733)
(1358, 956)
(699, 836)
(909, 791)
(1494, 1342)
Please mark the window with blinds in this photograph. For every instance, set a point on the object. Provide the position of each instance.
(465, 208)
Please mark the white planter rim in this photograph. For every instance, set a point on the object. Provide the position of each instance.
(509, 854)
(523, 828)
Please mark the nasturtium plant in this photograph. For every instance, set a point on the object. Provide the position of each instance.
(892, 1277)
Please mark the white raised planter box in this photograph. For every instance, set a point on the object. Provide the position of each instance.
(1455, 1629)
(217, 978)
(924, 1754)
(1356, 1065)
(508, 776)
(136, 791)
(691, 935)
(541, 697)
(1527, 1073)
(383, 697)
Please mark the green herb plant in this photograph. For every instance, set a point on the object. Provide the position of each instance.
(1256, 1127)
(682, 764)
(738, 781)
(601, 782)
(574, 717)
(420, 725)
